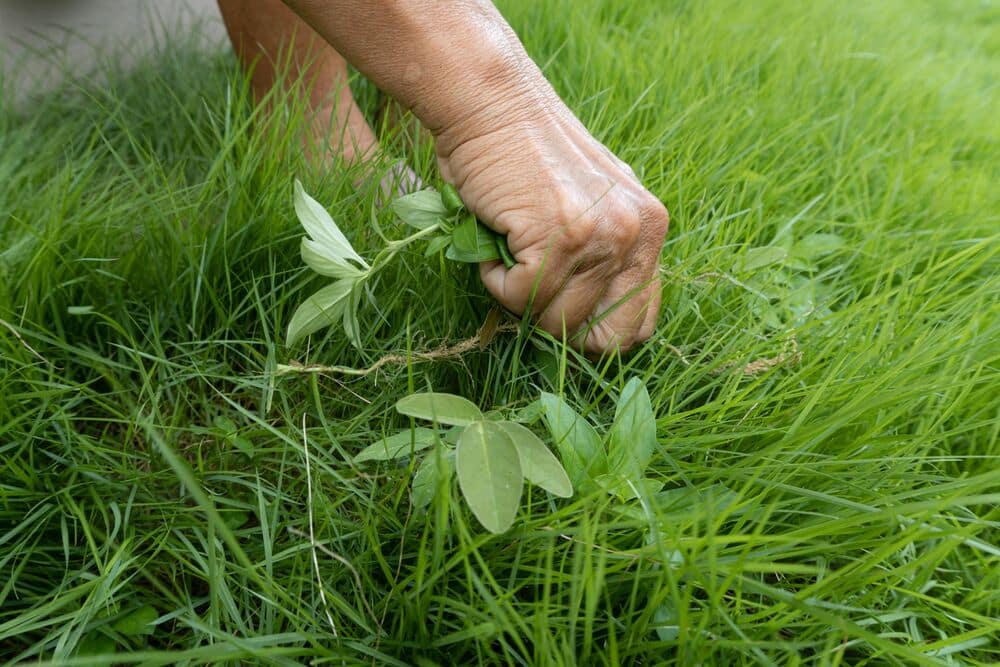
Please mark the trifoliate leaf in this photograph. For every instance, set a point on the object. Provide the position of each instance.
(666, 622)
(225, 424)
(322, 309)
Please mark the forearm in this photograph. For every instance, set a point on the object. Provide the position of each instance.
(448, 62)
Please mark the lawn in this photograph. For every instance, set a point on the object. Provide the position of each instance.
(825, 377)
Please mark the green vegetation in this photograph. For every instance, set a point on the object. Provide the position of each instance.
(179, 487)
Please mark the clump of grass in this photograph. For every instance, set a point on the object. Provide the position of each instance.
(836, 509)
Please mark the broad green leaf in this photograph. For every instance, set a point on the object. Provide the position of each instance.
(403, 443)
(812, 246)
(632, 438)
(230, 434)
(489, 474)
(576, 440)
(137, 622)
(330, 241)
(322, 309)
(436, 245)
(758, 258)
(439, 407)
(436, 468)
(314, 257)
(538, 464)
(472, 242)
(420, 209)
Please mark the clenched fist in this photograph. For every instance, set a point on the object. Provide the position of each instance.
(585, 233)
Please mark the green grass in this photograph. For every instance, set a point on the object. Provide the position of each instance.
(149, 264)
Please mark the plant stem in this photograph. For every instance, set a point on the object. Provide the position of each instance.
(393, 248)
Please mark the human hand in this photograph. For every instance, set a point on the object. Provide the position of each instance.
(585, 233)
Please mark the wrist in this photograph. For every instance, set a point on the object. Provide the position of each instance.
(474, 83)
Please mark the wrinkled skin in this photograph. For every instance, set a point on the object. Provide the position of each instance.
(585, 233)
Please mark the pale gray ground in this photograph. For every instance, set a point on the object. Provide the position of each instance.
(30, 31)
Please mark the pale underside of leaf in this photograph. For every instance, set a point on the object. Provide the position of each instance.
(420, 209)
(314, 257)
(322, 309)
(539, 465)
(351, 326)
(395, 446)
(439, 407)
(322, 229)
(489, 474)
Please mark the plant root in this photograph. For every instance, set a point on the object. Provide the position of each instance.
(478, 342)
(790, 355)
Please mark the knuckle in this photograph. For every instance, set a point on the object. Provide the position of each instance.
(654, 215)
(578, 234)
(622, 232)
